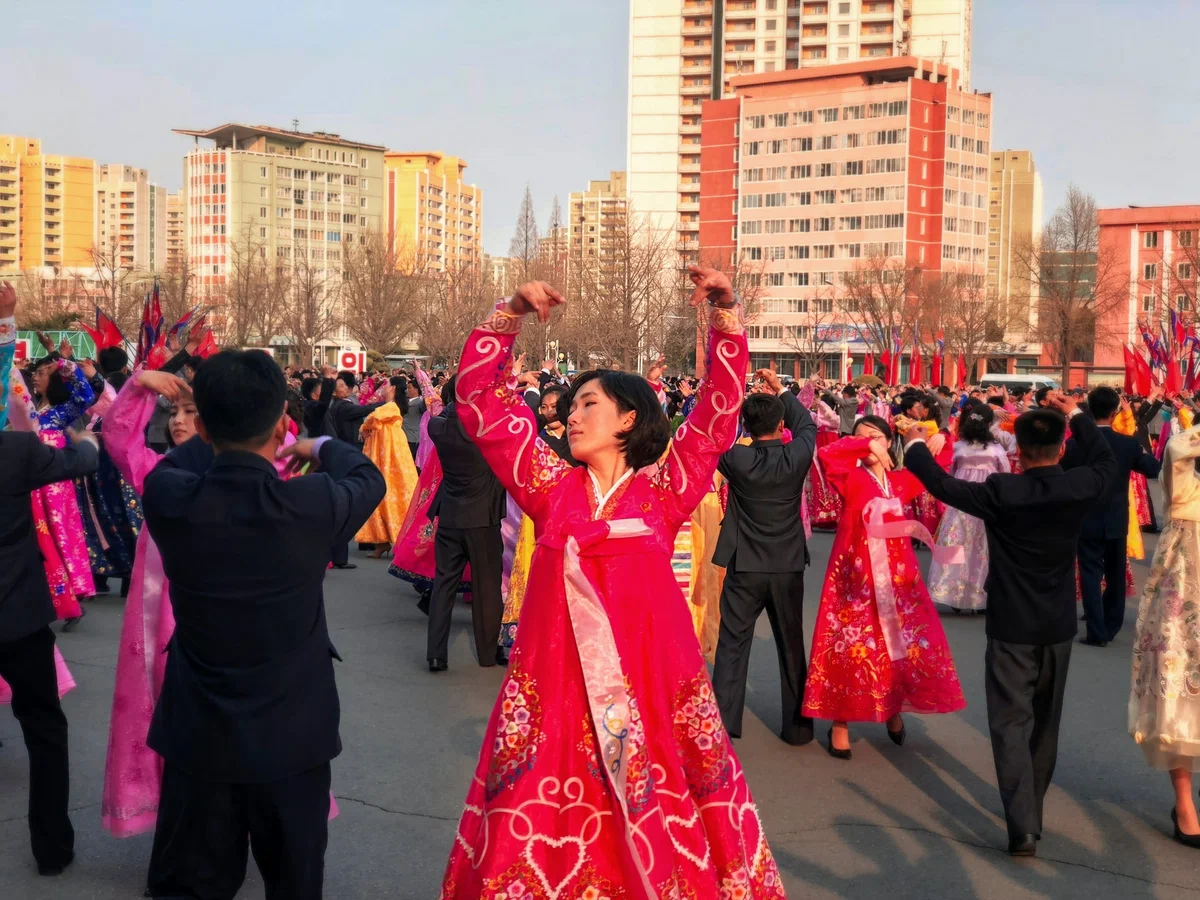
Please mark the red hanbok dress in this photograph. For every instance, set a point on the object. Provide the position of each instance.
(605, 770)
(825, 503)
(854, 675)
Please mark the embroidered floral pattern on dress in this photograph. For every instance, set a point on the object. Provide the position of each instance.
(523, 881)
(518, 732)
(639, 777)
(701, 737)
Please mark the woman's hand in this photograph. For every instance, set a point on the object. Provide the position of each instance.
(880, 454)
(712, 285)
(535, 297)
(8, 299)
(89, 368)
(936, 444)
(164, 384)
(655, 373)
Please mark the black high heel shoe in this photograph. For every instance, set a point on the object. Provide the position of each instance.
(1188, 840)
(834, 751)
(898, 736)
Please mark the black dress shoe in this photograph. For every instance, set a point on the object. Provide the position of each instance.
(834, 751)
(52, 869)
(69, 624)
(1188, 840)
(899, 736)
(1094, 643)
(345, 565)
(423, 603)
(438, 665)
(1022, 845)
(501, 657)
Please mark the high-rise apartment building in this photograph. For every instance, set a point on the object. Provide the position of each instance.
(302, 197)
(596, 216)
(1014, 218)
(500, 270)
(813, 173)
(683, 52)
(176, 238)
(432, 215)
(131, 223)
(47, 207)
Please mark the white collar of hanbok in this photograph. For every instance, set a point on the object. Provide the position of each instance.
(602, 499)
(884, 485)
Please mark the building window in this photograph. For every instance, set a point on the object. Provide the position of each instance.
(262, 212)
(1185, 271)
(262, 232)
(1150, 271)
(924, 203)
(843, 31)
(1148, 303)
(1150, 240)
(262, 171)
(843, 53)
(843, 9)
(1186, 238)
(1181, 303)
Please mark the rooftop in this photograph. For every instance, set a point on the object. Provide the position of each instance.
(864, 71)
(1146, 215)
(224, 135)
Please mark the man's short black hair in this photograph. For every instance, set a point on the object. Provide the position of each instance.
(647, 440)
(996, 401)
(349, 378)
(1040, 434)
(307, 386)
(761, 415)
(850, 391)
(943, 390)
(1040, 395)
(111, 359)
(240, 396)
(1103, 402)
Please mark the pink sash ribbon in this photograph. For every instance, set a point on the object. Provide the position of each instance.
(879, 533)
(603, 674)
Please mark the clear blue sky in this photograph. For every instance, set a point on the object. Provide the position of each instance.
(1104, 92)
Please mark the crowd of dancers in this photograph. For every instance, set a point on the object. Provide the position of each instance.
(632, 528)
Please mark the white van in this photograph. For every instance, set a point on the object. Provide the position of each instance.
(1013, 382)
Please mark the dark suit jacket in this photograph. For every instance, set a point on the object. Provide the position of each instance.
(470, 495)
(1144, 417)
(345, 417)
(1110, 515)
(249, 693)
(25, 464)
(315, 411)
(1033, 523)
(762, 531)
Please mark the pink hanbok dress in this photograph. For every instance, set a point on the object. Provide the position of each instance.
(605, 770)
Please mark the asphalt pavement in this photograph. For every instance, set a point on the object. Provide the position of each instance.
(919, 821)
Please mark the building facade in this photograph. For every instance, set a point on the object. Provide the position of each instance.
(303, 198)
(1014, 219)
(684, 52)
(176, 247)
(131, 223)
(433, 215)
(1157, 250)
(809, 175)
(595, 216)
(47, 207)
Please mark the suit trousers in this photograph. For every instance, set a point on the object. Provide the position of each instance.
(743, 598)
(1102, 558)
(27, 664)
(1024, 686)
(204, 829)
(340, 554)
(453, 548)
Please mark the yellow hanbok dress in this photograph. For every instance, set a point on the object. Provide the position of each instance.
(385, 445)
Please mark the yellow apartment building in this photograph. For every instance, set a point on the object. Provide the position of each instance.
(1014, 217)
(47, 207)
(431, 212)
(596, 216)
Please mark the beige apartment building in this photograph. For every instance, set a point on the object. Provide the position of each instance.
(432, 214)
(1014, 216)
(594, 216)
(131, 221)
(304, 198)
(175, 256)
(683, 52)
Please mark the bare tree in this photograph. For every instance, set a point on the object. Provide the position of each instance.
(52, 302)
(382, 292)
(310, 315)
(812, 338)
(120, 290)
(880, 298)
(524, 248)
(453, 304)
(255, 292)
(178, 290)
(1079, 287)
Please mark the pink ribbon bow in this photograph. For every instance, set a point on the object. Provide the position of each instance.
(879, 533)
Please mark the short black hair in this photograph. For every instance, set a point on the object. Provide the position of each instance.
(943, 390)
(1040, 395)
(240, 395)
(1103, 402)
(448, 389)
(761, 415)
(995, 401)
(308, 385)
(850, 390)
(1040, 434)
(349, 378)
(111, 359)
(647, 440)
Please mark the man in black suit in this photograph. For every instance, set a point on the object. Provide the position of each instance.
(247, 721)
(1105, 531)
(763, 552)
(342, 421)
(26, 611)
(469, 506)
(1033, 523)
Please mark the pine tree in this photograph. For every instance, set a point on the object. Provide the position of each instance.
(523, 249)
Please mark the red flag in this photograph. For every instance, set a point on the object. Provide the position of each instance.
(869, 364)
(1173, 381)
(849, 371)
(885, 358)
(1130, 369)
(208, 345)
(1144, 382)
(915, 365)
(962, 372)
(106, 333)
(935, 369)
(1191, 380)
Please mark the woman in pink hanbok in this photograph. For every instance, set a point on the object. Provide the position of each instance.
(605, 769)
(132, 771)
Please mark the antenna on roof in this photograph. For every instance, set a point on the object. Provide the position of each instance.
(295, 124)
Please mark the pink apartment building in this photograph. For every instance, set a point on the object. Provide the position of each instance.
(1159, 248)
(811, 172)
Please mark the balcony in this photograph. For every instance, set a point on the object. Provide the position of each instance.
(687, 186)
(689, 225)
(704, 68)
(874, 12)
(875, 33)
(689, 207)
(696, 90)
(697, 30)
(698, 49)
(689, 245)
(814, 39)
(793, 32)
(741, 10)
(689, 168)
(733, 30)
(689, 128)
(697, 9)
